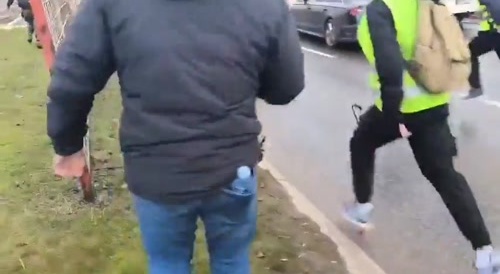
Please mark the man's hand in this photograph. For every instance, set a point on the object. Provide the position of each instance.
(405, 133)
(70, 166)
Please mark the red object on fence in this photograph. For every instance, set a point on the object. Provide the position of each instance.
(45, 37)
(43, 32)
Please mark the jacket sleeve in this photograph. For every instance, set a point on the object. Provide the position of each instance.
(389, 61)
(83, 65)
(283, 76)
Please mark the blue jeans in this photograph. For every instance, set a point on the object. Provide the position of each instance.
(168, 230)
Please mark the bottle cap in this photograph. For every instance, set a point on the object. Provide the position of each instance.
(244, 172)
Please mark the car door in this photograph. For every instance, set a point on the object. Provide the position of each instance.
(298, 10)
(309, 16)
(320, 11)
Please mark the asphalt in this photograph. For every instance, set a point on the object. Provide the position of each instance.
(308, 144)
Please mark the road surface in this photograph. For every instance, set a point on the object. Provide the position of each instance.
(308, 144)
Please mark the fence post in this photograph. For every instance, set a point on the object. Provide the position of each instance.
(46, 36)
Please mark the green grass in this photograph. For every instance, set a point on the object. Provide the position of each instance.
(47, 230)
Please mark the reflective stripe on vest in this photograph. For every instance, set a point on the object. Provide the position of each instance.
(415, 99)
(405, 16)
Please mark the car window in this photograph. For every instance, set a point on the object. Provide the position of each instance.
(357, 2)
(330, 1)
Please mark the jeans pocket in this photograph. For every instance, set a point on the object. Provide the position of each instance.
(238, 201)
(242, 187)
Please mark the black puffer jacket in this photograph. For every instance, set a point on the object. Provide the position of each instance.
(190, 73)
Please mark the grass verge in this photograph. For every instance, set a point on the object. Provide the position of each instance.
(47, 230)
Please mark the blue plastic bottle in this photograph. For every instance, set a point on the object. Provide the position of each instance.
(241, 184)
(244, 172)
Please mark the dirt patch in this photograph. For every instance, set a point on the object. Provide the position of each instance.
(47, 229)
(304, 247)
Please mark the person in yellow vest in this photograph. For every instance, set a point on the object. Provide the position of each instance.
(488, 39)
(403, 110)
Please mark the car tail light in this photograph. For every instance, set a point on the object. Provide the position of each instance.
(355, 12)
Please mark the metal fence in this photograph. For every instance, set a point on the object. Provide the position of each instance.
(59, 14)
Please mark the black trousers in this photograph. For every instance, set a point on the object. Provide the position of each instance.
(434, 147)
(484, 42)
(30, 20)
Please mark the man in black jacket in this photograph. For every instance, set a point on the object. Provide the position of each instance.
(189, 130)
(27, 14)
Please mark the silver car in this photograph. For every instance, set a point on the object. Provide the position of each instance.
(335, 21)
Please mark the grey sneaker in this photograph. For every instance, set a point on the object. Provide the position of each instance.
(487, 261)
(474, 93)
(358, 214)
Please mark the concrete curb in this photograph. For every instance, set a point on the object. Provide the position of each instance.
(14, 24)
(7, 27)
(357, 261)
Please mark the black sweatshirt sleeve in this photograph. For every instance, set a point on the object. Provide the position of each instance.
(493, 7)
(83, 65)
(389, 61)
(283, 77)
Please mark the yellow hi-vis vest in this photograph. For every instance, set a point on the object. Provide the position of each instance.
(487, 22)
(406, 16)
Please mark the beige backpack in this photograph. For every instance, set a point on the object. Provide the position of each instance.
(441, 61)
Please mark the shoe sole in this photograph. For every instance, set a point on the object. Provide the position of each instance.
(359, 227)
(468, 97)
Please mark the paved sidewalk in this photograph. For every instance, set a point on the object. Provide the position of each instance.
(11, 17)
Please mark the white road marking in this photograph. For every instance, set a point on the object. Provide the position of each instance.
(6, 27)
(482, 99)
(357, 261)
(489, 102)
(319, 53)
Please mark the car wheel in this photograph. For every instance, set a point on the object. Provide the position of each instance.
(330, 33)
